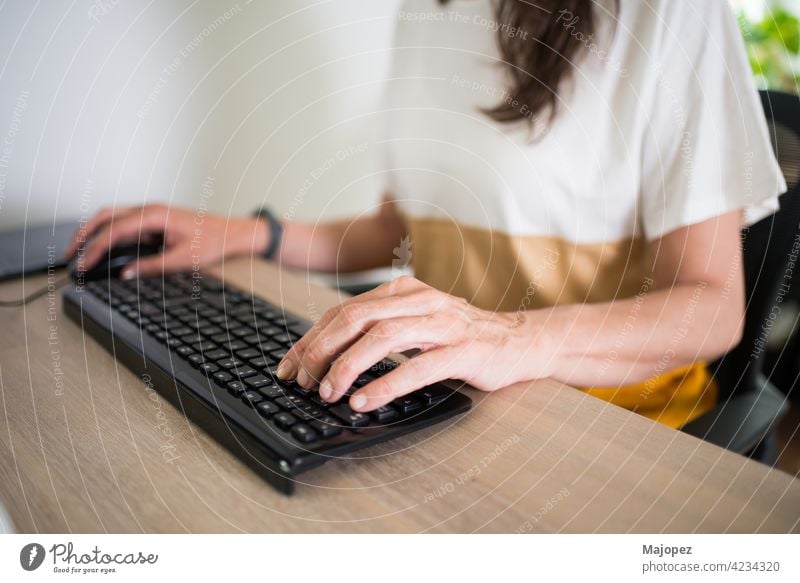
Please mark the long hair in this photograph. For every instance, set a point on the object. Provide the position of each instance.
(538, 41)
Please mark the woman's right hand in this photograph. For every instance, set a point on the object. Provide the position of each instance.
(192, 239)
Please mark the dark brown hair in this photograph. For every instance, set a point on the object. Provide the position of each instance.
(538, 42)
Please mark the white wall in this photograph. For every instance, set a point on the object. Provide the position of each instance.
(115, 101)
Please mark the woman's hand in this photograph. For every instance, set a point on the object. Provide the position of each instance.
(456, 341)
(192, 239)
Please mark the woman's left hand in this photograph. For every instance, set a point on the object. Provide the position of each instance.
(456, 340)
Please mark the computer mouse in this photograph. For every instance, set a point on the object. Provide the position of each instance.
(111, 264)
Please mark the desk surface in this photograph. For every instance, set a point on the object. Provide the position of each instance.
(82, 444)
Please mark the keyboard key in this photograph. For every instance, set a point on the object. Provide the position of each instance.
(272, 370)
(236, 388)
(293, 325)
(248, 353)
(284, 403)
(222, 377)
(284, 420)
(229, 362)
(267, 408)
(243, 371)
(258, 381)
(217, 354)
(149, 310)
(252, 397)
(191, 322)
(192, 338)
(327, 426)
(208, 368)
(185, 351)
(349, 417)
(182, 311)
(242, 331)
(180, 331)
(296, 400)
(170, 303)
(228, 324)
(407, 404)
(197, 359)
(303, 433)
(433, 395)
(263, 361)
(204, 346)
(266, 346)
(314, 411)
(172, 323)
(302, 391)
(254, 340)
(268, 331)
(233, 345)
(303, 415)
(319, 400)
(272, 391)
(384, 414)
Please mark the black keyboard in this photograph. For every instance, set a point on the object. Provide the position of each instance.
(212, 350)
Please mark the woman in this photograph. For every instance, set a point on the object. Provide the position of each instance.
(570, 179)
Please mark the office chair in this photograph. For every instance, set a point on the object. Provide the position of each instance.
(750, 406)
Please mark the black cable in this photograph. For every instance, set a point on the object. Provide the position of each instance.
(38, 293)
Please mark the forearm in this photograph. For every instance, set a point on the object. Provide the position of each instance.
(342, 246)
(631, 340)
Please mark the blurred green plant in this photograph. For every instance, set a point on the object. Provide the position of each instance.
(773, 47)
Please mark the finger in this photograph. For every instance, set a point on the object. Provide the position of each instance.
(126, 229)
(174, 259)
(84, 233)
(289, 367)
(385, 337)
(350, 324)
(422, 370)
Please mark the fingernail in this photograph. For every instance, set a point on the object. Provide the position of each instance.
(128, 274)
(326, 389)
(304, 379)
(285, 370)
(358, 402)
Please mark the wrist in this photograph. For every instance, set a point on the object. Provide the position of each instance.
(533, 333)
(246, 237)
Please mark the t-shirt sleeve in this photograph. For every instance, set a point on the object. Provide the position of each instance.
(706, 149)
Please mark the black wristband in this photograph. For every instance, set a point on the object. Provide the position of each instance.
(275, 231)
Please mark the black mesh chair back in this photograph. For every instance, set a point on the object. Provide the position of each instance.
(749, 405)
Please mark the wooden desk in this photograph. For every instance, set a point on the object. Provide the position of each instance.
(85, 448)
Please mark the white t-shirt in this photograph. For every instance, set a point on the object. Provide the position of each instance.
(658, 126)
